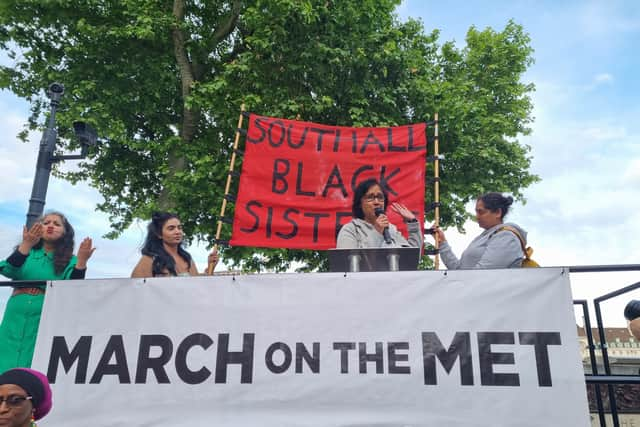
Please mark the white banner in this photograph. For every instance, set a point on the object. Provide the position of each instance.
(454, 348)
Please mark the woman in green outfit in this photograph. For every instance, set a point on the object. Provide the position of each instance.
(45, 253)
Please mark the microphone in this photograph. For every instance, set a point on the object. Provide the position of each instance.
(385, 233)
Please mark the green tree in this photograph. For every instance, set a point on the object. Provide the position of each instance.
(162, 81)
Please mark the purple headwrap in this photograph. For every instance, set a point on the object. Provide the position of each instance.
(35, 384)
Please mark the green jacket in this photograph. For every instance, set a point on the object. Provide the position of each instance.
(37, 266)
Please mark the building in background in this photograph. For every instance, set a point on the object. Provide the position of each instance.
(624, 359)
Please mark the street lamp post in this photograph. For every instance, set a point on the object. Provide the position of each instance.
(85, 134)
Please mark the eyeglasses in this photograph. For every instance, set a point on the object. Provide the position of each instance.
(371, 197)
(14, 401)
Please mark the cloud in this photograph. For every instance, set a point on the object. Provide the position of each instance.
(17, 160)
(631, 176)
(603, 78)
(605, 19)
(603, 133)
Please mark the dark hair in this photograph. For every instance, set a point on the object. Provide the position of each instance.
(361, 190)
(63, 247)
(154, 247)
(494, 201)
(632, 310)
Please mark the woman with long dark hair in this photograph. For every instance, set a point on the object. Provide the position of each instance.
(162, 252)
(366, 229)
(45, 253)
(498, 246)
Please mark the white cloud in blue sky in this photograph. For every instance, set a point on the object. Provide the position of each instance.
(585, 143)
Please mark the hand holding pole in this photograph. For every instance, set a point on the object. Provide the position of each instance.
(212, 260)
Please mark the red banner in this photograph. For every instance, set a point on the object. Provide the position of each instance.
(298, 179)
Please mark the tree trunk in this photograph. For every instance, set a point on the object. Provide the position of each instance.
(175, 159)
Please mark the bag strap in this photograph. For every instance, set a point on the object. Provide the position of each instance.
(519, 236)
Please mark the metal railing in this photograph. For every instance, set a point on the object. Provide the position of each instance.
(23, 283)
(606, 379)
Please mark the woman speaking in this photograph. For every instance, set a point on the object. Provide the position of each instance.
(370, 226)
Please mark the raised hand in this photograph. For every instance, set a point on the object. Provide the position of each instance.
(212, 260)
(403, 211)
(85, 250)
(30, 237)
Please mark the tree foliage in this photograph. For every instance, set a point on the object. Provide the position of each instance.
(163, 80)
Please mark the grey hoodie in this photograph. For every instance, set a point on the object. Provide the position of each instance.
(360, 234)
(491, 249)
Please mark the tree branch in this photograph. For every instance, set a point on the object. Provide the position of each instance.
(179, 48)
(225, 29)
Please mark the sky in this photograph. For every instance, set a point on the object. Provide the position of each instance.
(585, 145)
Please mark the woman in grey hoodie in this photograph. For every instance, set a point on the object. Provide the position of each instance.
(496, 246)
(367, 228)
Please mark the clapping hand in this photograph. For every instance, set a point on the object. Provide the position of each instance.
(30, 237)
(85, 250)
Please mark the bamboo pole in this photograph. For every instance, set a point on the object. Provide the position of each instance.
(436, 189)
(210, 266)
